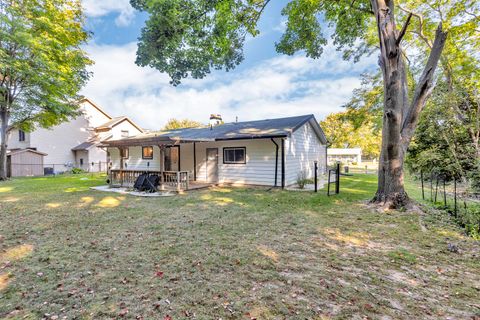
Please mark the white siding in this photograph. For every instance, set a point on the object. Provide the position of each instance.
(135, 161)
(302, 149)
(116, 131)
(259, 168)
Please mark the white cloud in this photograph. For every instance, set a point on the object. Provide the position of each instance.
(281, 86)
(99, 8)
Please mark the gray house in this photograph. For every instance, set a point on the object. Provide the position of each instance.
(270, 152)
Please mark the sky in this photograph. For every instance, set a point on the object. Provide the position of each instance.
(265, 85)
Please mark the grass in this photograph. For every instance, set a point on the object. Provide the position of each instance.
(229, 253)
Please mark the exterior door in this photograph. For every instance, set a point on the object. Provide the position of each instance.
(172, 158)
(212, 165)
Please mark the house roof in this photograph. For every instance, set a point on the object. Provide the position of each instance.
(115, 121)
(258, 129)
(18, 151)
(84, 145)
(95, 106)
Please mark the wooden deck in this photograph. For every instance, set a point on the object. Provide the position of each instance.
(169, 180)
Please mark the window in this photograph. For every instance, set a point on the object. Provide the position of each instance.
(234, 155)
(81, 161)
(147, 152)
(125, 134)
(21, 135)
(124, 153)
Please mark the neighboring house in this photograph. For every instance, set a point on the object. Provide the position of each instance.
(74, 143)
(344, 155)
(269, 152)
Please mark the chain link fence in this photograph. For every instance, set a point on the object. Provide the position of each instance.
(22, 169)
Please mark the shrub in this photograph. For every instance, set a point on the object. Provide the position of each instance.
(302, 179)
(77, 170)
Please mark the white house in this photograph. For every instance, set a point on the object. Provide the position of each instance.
(269, 152)
(74, 143)
(344, 155)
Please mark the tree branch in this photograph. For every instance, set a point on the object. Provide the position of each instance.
(424, 87)
(420, 27)
(404, 29)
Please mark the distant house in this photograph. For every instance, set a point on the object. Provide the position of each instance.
(74, 143)
(344, 155)
(269, 152)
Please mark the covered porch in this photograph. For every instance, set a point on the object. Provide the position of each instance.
(154, 155)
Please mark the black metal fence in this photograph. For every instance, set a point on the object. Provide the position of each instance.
(334, 178)
(453, 196)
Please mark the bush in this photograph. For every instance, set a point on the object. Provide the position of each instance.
(77, 171)
(302, 179)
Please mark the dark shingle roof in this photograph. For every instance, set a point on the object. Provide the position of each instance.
(84, 146)
(268, 128)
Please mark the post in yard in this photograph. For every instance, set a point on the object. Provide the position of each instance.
(423, 191)
(315, 169)
(455, 196)
(444, 194)
(337, 179)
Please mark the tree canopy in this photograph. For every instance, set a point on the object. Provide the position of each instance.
(42, 64)
(181, 123)
(342, 132)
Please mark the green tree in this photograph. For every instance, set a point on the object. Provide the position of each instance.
(190, 37)
(42, 64)
(181, 123)
(342, 132)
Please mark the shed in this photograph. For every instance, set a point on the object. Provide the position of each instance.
(25, 162)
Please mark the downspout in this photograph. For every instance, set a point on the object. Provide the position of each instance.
(276, 160)
(194, 162)
(283, 163)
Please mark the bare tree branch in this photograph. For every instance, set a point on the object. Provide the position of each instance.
(424, 87)
(404, 29)
(420, 27)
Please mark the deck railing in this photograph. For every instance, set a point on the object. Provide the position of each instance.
(177, 180)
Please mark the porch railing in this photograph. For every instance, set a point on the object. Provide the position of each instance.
(177, 180)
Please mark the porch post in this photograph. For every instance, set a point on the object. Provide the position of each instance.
(121, 166)
(162, 167)
(178, 181)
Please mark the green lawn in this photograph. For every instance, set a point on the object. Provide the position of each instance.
(230, 253)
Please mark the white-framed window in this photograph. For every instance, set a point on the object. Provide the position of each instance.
(21, 135)
(147, 152)
(235, 155)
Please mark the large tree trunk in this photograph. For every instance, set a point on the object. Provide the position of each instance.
(400, 117)
(3, 144)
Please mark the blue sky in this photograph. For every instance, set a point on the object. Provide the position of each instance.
(265, 85)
